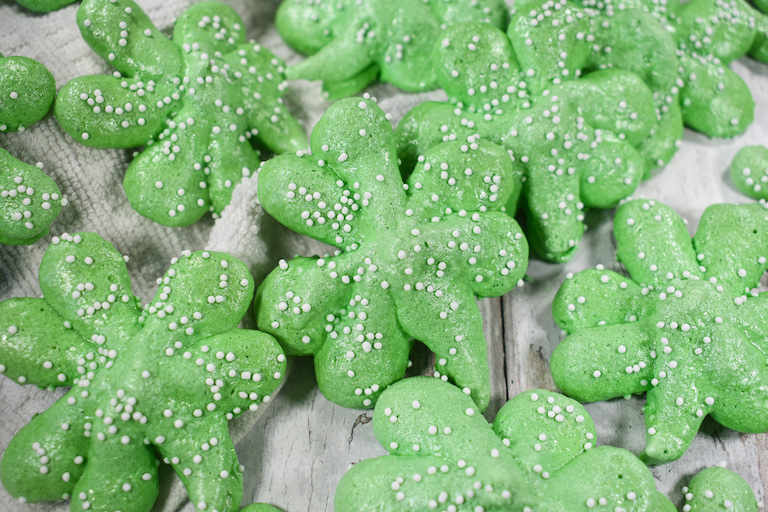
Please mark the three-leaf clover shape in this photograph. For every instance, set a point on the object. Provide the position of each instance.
(540, 454)
(196, 102)
(412, 262)
(165, 379)
(29, 200)
(682, 51)
(352, 43)
(575, 139)
(688, 328)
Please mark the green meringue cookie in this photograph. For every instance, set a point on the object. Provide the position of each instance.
(44, 5)
(29, 200)
(688, 328)
(353, 43)
(164, 379)
(413, 260)
(27, 90)
(539, 455)
(682, 51)
(575, 136)
(196, 101)
(717, 489)
(638, 41)
(749, 171)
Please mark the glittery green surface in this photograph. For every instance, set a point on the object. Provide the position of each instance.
(197, 102)
(717, 489)
(749, 171)
(44, 5)
(540, 454)
(164, 379)
(352, 43)
(682, 51)
(688, 328)
(577, 140)
(410, 262)
(27, 90)
(29, 200)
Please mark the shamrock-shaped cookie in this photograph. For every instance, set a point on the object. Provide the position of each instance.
(749, 171)
(575, 139)
(352, 43)
(688, 328)
(29, 200)
(412, 262)
(540, 454)
(44, 5)
(195, 101)
(682, 51)
(165, 379)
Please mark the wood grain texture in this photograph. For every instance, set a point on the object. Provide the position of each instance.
(302, 445)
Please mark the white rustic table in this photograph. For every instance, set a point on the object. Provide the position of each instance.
(297, 451)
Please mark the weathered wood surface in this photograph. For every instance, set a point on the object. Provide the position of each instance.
(302, 445)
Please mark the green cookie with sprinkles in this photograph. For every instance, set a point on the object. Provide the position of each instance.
(164, 379)
(44, 5)
(749, 171)
(688, 328)
(353, 43)
(29, 200)
(682, 51)
(539, 455)
(197, 102)
(575, 136)
(410, 260)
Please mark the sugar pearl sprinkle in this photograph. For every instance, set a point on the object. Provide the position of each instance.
(197, 120)
(675, 326)
(425, 272)
(142, 378)
(394, 37)
(542, 115)
(537, 441)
